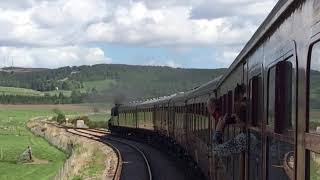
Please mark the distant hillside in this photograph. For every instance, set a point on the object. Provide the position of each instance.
(21, 69)
(106, 82)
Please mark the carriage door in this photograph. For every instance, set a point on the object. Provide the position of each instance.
(281, 116)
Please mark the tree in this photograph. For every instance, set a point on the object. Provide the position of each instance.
(76, 96)
(94, 91)
(61, 118)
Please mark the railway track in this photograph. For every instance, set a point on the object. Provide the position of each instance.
(162, 166)
(133, 163)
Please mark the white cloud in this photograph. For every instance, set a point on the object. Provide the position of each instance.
(247, 9)
(69, 22)
(69, 13)
(40, 25)
(167, 26)
(173, 64)
(52, 57)
(169, 63)
(225, 55)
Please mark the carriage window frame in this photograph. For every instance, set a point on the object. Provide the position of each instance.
(286, 135)
(278, 126)
(256, 109)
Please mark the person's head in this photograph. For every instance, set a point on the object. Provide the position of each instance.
(239, 92)
(239, 98)
(212, 105)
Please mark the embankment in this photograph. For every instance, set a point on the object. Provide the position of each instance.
(88, 159)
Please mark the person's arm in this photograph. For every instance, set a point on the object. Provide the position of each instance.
(232, 146)
(237, 121)
(218, 134)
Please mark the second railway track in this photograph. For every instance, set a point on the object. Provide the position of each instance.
(133, 164)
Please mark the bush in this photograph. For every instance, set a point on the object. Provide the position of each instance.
(97, 124)
(57, 111)
(60, 118)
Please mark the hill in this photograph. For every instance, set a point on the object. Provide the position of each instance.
(20, 69)
(103, 82)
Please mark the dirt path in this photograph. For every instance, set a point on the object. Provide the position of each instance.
(38, 161)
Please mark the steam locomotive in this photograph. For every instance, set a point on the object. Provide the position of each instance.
(280, 68)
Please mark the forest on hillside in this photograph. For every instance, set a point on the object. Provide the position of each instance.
(101, 82)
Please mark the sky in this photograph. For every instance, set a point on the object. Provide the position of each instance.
(175, 33)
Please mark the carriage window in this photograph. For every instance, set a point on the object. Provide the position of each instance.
(225, 104)
(280, 97)
(229, 110)
(314, 165)
(256, 100)
(314, 90)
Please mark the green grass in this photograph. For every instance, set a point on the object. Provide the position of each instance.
(314, 168)
(30, 92)
(57, 92)
(96, 166)
(99, 85)
(19, 91)
(14, 139)
(99, 117)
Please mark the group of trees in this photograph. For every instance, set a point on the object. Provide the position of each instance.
(130, 82)
(76, 97)
(64, 78)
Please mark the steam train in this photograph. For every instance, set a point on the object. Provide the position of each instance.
(280, 68)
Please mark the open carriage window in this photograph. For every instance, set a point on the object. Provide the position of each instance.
(230, 102)
(256, 100)
(224, 104)
(280, 95)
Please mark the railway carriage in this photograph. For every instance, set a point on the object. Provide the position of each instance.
(200, 125)
(280, 68)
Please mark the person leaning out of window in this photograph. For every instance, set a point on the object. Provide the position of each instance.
(237, 144)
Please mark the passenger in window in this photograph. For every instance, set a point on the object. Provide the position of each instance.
(239, 143)
(213, 107)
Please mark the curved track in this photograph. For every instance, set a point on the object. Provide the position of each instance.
(134, 165)
(162, 166)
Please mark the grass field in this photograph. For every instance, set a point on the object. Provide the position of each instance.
(57, 92)
(19, 91)
(314, 166)
(14, 139)
(99, 85)
(99, 117)
(30, 92)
